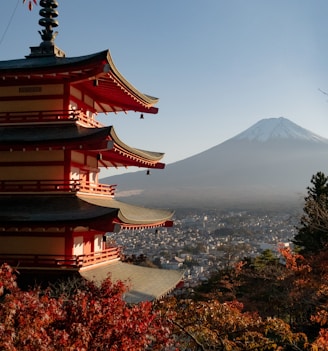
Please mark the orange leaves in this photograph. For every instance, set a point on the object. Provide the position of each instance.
(118, 326)
(321, 343)
(208, 325)
(7, 279)
(25, 317)
(321, 317)
(30, 3)
(238, 266)
(294, 261)
(309, 292)
(88, 317)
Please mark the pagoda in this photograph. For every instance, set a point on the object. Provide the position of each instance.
(54, 212)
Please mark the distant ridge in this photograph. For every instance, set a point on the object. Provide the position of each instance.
(270, 163)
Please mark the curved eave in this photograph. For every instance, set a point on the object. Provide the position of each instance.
(120, 145)
(125, 226)
(109, 96)
(122, 155)
(119, 79)
(111, 93)
(113, 158)
(131, 216)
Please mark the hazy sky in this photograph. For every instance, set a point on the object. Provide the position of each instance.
(218, 66)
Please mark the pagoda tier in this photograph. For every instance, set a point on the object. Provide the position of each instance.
(92, 79)
(67, 231)
(102, 142)
(24, 213)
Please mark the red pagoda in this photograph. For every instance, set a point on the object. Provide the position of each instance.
(54, 213)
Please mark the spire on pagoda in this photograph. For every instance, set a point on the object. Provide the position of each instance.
(48, 20)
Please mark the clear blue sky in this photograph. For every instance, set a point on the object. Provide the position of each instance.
(218, 66)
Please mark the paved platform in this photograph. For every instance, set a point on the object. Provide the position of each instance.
(146, 284)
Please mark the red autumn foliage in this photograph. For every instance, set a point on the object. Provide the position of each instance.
(30, 3)
(311, 289)
(92, 318)
(297, 291)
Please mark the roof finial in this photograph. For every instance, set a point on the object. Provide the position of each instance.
(48, 21)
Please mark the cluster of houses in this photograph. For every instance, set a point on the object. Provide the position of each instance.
(201, 243)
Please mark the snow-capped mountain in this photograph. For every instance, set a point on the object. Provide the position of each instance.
(278, 128)
(270, 162)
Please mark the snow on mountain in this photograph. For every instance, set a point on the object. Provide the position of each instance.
(278, 128)
(270, 162)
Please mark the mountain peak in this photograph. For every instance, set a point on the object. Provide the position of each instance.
(277, 129)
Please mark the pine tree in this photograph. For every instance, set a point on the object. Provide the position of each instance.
(312, 234)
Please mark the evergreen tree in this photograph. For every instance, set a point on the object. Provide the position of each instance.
(265, 259)
(312, 234)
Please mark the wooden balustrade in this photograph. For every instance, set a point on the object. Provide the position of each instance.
(90, 122)
(48, 116)
(42, 261)
(38, 185)
(99, 257)
(35, 186)
(58, 261)
(103, 189)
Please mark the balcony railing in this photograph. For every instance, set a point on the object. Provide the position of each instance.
(48, 116)
(100, 257)
(58, 261)
(40, 186)
(101, 189)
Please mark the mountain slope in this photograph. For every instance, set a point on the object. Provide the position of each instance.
(270, 162)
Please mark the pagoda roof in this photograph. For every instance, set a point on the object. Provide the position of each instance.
(45, 210)
(70, 135)
(96, 75)
(70, 210)
(123, 155)
(130, 216)
(146, 284)
(52, 135)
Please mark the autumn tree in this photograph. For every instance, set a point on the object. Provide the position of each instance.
(266, 259)
(299, 288)
(310, 294)
(312, 234)
(87, 317)
(212, 325)
(260, 288)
